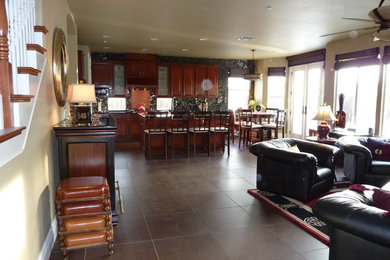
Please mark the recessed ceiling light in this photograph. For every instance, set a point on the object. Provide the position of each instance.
(269, 8)
(154, 39)
(245, 38)
(107, 47)
(185, 49)
(106, 36)
(145, 49)
(105, 41)
(203, 39)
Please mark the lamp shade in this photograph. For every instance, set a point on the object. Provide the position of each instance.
(325, 114)
(81, 93)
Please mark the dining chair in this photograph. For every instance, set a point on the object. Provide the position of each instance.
(201, 126)
(235, 125)
(277, 123)
(220, 124)
(156, 125)
(179, 126)
(247, 127)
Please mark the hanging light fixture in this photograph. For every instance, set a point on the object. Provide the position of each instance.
(253, 75)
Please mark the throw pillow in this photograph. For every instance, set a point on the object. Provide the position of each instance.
(293, 148)
(380, 150)
(383, 153)
(381, 200)
(357, 187)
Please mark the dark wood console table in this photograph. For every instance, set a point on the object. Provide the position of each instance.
(88, 151)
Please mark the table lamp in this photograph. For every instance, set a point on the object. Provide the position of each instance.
(81, 96)
(324, 114)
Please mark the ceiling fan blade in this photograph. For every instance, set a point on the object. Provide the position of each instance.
(380, 3)
(358, 19)
(360, 29)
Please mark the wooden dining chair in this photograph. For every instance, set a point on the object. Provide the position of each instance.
(179, 126)
(247, 127)
(277, 123)
(156, 125)
(201, 126)
(220, 124)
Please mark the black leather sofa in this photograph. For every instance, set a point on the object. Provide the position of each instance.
(303, 174)
(359, 165)
(358, 230)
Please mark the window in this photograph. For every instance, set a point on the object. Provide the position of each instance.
(276, 91)
(385, 131)
(357, 79)
(238, 93)
(359, 85)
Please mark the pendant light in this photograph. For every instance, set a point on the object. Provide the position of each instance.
(253, 75)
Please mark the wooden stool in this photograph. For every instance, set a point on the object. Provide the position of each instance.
(84, 214)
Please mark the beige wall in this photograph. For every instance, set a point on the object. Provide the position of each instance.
(262, 66)
(28, 182)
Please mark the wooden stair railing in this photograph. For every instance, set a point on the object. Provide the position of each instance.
(5, 68)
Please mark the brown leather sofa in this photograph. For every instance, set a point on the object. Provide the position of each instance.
(303, 174)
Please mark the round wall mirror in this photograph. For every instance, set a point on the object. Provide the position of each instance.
(60, 66)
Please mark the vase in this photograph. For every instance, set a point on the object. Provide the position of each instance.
(340, 114)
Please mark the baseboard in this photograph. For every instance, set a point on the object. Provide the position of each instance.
(49, 242)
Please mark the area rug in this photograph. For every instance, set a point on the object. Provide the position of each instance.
(298, 212)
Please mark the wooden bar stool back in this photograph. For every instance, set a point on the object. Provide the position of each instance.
(220, 124)
(156, 125)
(201, 126)
(179, 125)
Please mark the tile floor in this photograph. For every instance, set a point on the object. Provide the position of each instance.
(197, 208)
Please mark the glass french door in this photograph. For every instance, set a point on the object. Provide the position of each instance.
(306, 95)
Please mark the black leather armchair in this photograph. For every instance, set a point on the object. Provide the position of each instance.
(301, 175)
(358, 230)
(359, 165)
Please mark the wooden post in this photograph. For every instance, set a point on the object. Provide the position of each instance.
(5, 67)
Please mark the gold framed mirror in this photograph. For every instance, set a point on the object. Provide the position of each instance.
(60, 66)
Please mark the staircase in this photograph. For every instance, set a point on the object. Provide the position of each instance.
(22, 63)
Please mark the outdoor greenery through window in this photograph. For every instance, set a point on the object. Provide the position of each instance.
(238, 93)
(276, 91)
(360, 87)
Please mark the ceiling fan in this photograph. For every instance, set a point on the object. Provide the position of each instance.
(380, 16)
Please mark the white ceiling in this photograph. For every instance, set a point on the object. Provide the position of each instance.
(290, 27)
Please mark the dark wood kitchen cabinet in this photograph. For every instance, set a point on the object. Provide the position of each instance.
(141, 69)
(102, 73)
(109, 74)
(176, 80)
(206, 81)
(129, 127)
(188, 80)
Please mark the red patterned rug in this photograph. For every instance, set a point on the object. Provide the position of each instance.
(298, 212)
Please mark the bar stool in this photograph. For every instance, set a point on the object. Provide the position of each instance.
(201, 126)
(179, 125)
(221, 121)
(84, 215)
(156, 125)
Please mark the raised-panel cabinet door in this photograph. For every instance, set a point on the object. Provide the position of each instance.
(121, 122)
(200, 76)
(134, 69)
(176, 83)
(102, 73)
(212, 75)
(188, 80)
(149, 69)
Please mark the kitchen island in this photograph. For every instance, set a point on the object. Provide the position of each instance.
(131, 126)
